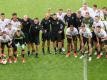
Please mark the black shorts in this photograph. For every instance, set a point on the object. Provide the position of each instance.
(86, 40)
(27, 37)
(74, 38)
(5, 44)
(56, 37)
(20, 41)
(100, 41)
(105, 42)
(16, 41)
(94, 38)
(35, 39)
(46, 36)
(63, 35)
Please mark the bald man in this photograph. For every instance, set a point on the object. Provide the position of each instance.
(26, 23)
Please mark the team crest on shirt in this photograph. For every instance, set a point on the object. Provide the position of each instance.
(72, 17)
(36, 27)
(49, 21)
(27, 22)
(57, 22)
(52, 23)
(45, 22)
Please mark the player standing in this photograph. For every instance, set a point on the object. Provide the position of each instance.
(34, 33)
(56, 32)
(26, 24)
(46, 33)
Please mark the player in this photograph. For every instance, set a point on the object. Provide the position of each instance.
(104, 40)
(100, 33)
(85, 8)
(95, 10)
(15, 21)
(61, 15)
(56, 32)
(10, 30)
(98, 22)
(68, 18)
(18, 41)
(72, 35)
(34, 33)
(3, 21)
(5, 40)
(86, 37)
(46, 33)
(78, 20)
(88, 20)
(26, 24)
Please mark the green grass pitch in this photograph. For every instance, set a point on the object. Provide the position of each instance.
(49, 66)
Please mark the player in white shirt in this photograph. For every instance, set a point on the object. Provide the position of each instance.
(3, 21)
(10, 30)
(61, 14)
(103, 15)
(72, 35)
(15, 21)
(98, 22)
(5, 40)
(86, 36)
(85, 9)
(95, 10)
(100, 33)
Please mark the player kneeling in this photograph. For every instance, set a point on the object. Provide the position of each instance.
(72, 34)
(86, 37)
(101, 37)
(18, 41)
(5, 40)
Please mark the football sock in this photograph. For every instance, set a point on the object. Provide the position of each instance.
(28, 53)
(43, 50)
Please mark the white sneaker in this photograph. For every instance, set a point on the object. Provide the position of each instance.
(90, 58)
(95, 53)
(63, 49)
(101, 53)
(56, 49)
(4, 61)
(82, 57)
(86, 51)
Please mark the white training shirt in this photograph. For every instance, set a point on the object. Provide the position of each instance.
(16, 24)
(101, 34)
(61, 17)
(85, 34)
(4, 23)
(99, 23)
(72, 33)
(11, 31)
(95, 12)
(6, 39)
(83, 12)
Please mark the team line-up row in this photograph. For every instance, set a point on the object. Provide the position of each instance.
(87, 26)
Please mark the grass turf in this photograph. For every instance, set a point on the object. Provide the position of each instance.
(49, 67)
